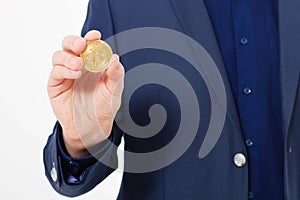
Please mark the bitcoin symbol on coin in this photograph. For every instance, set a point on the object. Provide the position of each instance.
(96, 56)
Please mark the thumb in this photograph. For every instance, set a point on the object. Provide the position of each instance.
(115, 76)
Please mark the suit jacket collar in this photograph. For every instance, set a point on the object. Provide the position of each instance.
(194, 14)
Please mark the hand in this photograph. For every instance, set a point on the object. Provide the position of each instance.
(84, 103)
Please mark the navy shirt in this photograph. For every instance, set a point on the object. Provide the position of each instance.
(247, 34)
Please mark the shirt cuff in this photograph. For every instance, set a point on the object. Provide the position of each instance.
(73, 168)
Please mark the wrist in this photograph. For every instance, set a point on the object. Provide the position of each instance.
(74, 146)
(78, 144)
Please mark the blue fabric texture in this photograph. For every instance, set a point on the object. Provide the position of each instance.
(247, 36)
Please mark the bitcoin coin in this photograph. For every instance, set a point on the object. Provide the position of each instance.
(96, 56)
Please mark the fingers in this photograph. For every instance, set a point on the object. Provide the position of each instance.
(59, 73)
(92, 35)
(66, 63)
(115, 69)
(74, 44)
(115, 76)
(65, 66)
(68, 60)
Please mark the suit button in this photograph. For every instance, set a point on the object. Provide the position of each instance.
(250, 195)
(54, 173)
(249, 143)
(247, 91)
(244, 40)
(239, 160)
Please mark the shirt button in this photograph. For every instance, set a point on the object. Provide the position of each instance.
(249, 143)
(250, 195)
(247, 91)
(53, 173)
(244, 40)
(239, 160)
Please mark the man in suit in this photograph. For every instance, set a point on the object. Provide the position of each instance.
(255, 47)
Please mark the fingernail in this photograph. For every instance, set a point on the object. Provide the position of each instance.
(115, 58)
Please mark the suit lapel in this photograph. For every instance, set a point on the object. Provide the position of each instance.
(289, 32)
(194, 20)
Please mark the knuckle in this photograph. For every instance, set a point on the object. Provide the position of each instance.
(55, 55)
(67, 42)
(66, 39)
(60, 58)
(65, 59)
(53, 71)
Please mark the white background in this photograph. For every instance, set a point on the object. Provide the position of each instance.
(31, 30)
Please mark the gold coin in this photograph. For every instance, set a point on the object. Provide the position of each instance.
(96, 56)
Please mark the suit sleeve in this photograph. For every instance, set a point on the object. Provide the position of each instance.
(57, 167)
(74, 177)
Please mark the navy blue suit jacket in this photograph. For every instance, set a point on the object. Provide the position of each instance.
(215, 176)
